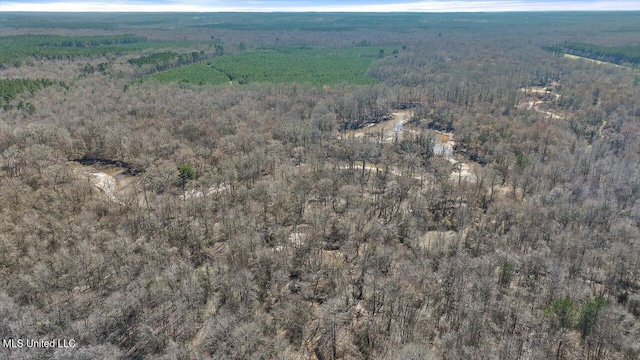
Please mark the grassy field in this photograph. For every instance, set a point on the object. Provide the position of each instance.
(282, 65)
(575, 57)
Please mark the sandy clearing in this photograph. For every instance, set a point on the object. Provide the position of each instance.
(105, 183)
(575, 57)
(109, 180)
(532, 105)
(193, 194)
(388, 129)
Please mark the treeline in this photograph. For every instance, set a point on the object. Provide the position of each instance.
(616, 55)
(90, 40)
(10, 89)
(157, 59)
(17, 49)
(168, 60)
(70, 41)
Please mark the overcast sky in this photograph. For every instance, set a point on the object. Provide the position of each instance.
(316, 5)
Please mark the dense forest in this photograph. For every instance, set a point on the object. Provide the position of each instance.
(320, 186)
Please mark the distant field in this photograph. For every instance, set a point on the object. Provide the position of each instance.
(610, 54)
(282, 65)
(575, 57)
(16, 49)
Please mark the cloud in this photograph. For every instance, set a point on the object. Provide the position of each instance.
(301, 6)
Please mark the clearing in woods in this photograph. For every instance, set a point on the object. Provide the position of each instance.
(282, 65)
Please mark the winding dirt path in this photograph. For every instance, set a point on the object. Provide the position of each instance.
(394, 128)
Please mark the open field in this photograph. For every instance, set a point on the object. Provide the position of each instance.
(576, 57)
(282, 65)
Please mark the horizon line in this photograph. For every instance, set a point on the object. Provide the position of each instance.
(257, 11)
(244, 6)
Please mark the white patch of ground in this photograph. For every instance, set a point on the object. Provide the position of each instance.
(444, 145)
(549, 113)
(109, 180)
(105, 183)
(536, 90)
(604, 123)
(194, 193)
(539, 92)
(462, 172)
(296, 240)
(575, 57)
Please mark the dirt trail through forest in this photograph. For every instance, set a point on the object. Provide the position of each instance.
(393, 129)
(387, 130)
